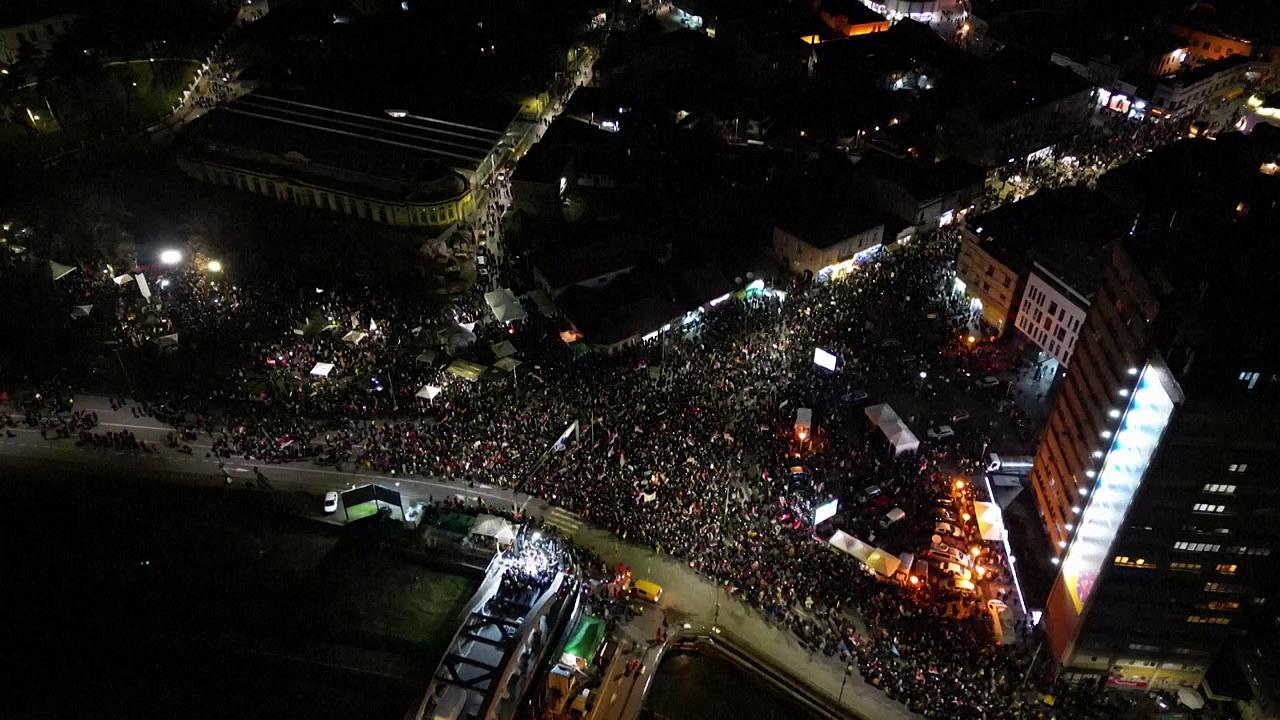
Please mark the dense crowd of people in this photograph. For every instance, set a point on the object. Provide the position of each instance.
(684, 443)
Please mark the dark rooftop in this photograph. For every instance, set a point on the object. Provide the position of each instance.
(924, 180)
(1065, 231)
(567, 267)
(1206, 71)
(278, 125)
(397, 160)
(823, 225)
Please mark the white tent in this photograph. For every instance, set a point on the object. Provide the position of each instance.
(503, 349)
(122, 279)
(322, 369)
(494, 527)
(873, 557)
(143, 287)
(426, 357)
(58, 271)
(81, 311)
(428, 392)
(892, 427)
(167, 341)
(990, 521)
(505, 306)
(354, 337)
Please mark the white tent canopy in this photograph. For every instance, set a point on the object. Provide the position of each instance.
(505, 306)
(494, 527)
(81, 311)
(503, 349)
(873, 557)
(508, 364)
(990, 521)
(354, 337)
(322, 369)
(894, 430)
(428, 392)
(58, 271)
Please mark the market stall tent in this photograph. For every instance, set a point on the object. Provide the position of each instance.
(990, 521)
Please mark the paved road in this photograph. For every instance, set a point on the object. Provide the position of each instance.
(688, 597)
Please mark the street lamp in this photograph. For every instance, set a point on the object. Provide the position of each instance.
(170, 257)
(214, 266)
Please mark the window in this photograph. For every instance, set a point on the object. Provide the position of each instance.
(1219, 489)
(1227, 569)
(1216, 587)
(1196, 547)
(1208, 620)
(1126, 561)
(1237, 467)
(1053, 307)
(1223, 605)
(1184, 567)
(1250, 379)
(1008, 281)
(1208, 508)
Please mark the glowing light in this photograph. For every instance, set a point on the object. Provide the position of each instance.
(1113, 413)
(971, 339)
(1096, 453)
(214, 266)
(1133, 371)
(959, 484)
(1090, 473)
(170, 257)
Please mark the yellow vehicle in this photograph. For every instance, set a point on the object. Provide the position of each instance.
(647, 590)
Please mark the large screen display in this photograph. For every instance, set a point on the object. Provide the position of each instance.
(1123, 467)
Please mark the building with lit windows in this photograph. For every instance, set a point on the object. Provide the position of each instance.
(1156, 477)
(393, 167)
(31, 27)
(1035, 263)
(828, 245)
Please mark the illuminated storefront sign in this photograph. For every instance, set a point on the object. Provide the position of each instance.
(1141, 426)
(844, 267)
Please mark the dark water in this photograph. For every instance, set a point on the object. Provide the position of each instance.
(705, 685)
(125, 600)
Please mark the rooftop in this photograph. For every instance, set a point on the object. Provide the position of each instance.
(1206, 71)
(406, 160)
(1066, 232)
(398, 145)
(924, 180)
(20, 12)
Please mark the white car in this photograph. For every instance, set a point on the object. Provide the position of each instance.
(330, 502)
(942, 432)
(957, 570)
(945, 529)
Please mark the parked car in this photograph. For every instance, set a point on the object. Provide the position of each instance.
(942, 432)
(957, 570)
(868, 493)
(331, 502)
(945, 529)
(944, 515)
(892, 517)
(988, 382)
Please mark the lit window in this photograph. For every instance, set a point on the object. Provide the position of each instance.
(1228, 569)
(1220, 489)
(1126, 561)
(1223, 605)
(1196, 547)
(1237, 467)
(1185, 567)
(1208, 508)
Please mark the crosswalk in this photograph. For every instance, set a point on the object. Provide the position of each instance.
(563, 520)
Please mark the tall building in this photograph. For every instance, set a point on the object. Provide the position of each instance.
(1156, 477)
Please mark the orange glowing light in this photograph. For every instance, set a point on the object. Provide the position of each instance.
(975, 551)
(971, 339)
(959, 484)
(915, 580)
(965, 516)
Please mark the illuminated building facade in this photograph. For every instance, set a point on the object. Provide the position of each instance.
(1156, 477)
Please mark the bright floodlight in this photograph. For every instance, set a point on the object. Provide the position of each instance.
(214, 266)
(171, 257)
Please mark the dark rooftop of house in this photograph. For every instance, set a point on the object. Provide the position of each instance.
(924, 180)
(567, 267)
(642, 301)
(1065, 231)
(825, 224)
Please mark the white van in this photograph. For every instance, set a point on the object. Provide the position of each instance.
(892, 517)
(1009, 464)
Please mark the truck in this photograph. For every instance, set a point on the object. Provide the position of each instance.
(1019, 465)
